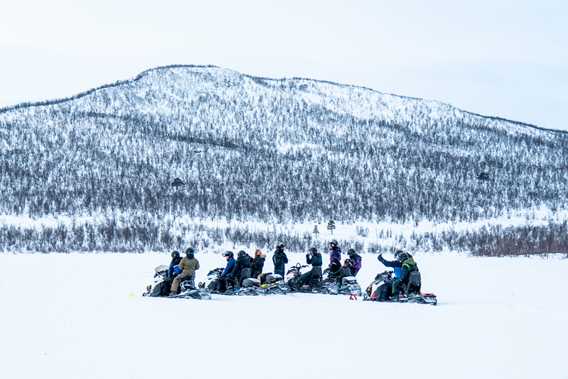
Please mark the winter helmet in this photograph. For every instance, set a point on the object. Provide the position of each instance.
(241, 253)
(403, 256)
(190, 252)
(228, 254)
(333, 243)
(175, 254)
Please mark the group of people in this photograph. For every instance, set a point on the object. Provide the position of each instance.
(245, 266)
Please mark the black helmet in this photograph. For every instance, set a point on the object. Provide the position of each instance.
(228, 254)
(313, 250)
(333, 243)
(175, 254)
(402, 256)
(280, 246)
(241, 253)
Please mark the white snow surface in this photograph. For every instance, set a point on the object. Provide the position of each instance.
(82, 316)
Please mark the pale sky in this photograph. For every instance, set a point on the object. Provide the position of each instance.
(506, 58)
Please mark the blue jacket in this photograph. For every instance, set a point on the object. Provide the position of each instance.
(401, 269)
(229, 268)
(396, 265)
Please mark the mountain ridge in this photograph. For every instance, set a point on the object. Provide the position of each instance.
(146, 72)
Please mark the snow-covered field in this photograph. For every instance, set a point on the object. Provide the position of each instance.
(82, 316)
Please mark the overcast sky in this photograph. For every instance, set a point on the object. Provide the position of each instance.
(502, 57)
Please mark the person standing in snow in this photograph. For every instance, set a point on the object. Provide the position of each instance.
(280, 260)
(188, 265)
(257, 263)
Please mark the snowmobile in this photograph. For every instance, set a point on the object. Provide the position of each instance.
(335, 283)
(292, 278)
(330, 284)
(212, 278)
(162, 284)
(381, 290)
(268, 284)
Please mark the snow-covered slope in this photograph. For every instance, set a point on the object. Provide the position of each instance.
(286, 150)
(154, 91)
(81, 316)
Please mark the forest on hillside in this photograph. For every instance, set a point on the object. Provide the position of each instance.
(240, 149)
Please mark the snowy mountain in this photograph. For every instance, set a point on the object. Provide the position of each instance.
(258, 148)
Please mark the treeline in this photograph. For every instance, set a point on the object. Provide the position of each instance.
(146, 233)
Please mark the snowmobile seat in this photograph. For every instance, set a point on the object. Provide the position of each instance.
(346, 280)
(251, 282)
(272, 278)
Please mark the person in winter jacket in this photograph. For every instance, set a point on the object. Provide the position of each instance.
(242, 267)
(257, 263)
(188, 267)
(227, 275)
(279, 259)
(355, 262)
(344, 271)
(403, 266)
(314, 275)
(334, 257)
(176, 258)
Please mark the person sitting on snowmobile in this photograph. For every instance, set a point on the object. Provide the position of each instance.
(242, 269)
(188, 267)
(279, 259)
(403, 266)
(226, 277)
(395, 265)
(312, 277)
(176, 258)
(355, 261)
(257, 263)
(344, 271)
(334, 258)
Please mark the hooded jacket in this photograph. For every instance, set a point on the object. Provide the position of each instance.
(279, 259)
(335, 256)
(229, 268)
(314, 259)
(356, 262)
(188, 266)
(257, 265)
